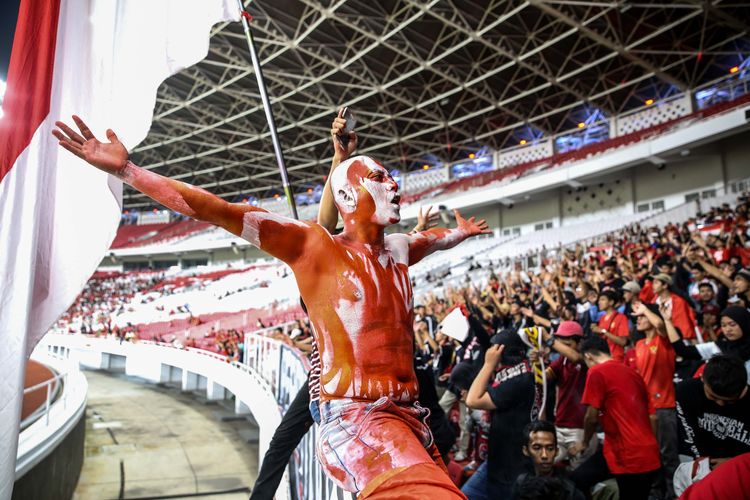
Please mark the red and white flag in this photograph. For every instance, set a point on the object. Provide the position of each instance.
(104, 61)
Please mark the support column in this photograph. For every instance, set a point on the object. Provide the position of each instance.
(240, 408)
(189, 381)
(214, 391)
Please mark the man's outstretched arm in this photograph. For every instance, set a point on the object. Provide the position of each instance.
(426, 242)
(280, 236)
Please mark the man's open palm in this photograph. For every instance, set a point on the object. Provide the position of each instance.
(107, 156)
(471, 226)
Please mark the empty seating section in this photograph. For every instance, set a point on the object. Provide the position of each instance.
(129, 236)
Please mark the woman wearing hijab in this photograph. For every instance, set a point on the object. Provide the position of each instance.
(734, 338)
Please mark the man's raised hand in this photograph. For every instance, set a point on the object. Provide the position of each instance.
(337, 130)
(470, 226)
(107, 156)
(493, 355)
(426, 220)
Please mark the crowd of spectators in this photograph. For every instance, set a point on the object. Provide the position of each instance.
(645, 344)
(105, 296)
(645, 341)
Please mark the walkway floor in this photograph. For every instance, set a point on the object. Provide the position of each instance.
(157, 441)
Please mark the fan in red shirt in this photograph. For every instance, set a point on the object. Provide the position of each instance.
(616, 396)
(613, 326)
(654, 361)
(728, 480)
(569, 373)
(683, 315)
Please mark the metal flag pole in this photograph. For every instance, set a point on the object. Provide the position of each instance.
(245, 17)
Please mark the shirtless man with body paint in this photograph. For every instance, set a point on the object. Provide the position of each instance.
(373, 436)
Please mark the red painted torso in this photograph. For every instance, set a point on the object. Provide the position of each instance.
(360, 301)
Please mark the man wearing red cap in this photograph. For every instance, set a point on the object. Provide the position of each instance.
(569, 372)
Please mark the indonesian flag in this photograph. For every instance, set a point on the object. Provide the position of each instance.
(712, 229)
(104, 61)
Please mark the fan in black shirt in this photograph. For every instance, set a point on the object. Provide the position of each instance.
(714, 412)
(509, 393)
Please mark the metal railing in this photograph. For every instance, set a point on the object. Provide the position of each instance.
(284, 368)
(53, 388)
(65, 403)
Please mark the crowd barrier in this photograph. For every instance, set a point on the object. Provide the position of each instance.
(285, 370)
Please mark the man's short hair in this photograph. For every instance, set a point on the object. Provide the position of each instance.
(726, 376)
(539, 426)
(594, 345)
(541, 488)
(612, 295)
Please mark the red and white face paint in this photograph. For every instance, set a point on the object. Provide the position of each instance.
(364, 189)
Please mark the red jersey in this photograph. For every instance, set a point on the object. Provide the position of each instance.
(571, 381)
(728, 480)
(647, 293)
(654, 361)
(617, 324)
(683, 316)
(618, 392)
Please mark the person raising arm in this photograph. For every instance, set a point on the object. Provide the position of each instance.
(277, 235)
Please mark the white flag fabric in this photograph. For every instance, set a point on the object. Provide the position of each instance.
(104, 61)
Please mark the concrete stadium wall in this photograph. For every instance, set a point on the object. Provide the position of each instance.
(736, 156)
(699, 172)
(56, 476)
(539, 208)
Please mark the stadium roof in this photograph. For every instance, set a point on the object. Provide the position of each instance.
(429, 81)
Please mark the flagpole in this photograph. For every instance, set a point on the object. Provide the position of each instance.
(245, 18)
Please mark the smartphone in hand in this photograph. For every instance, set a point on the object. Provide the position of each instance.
(351, 123)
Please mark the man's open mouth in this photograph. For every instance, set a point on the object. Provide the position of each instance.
(396, 199)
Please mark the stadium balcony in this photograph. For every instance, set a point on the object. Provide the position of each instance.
(662, 121)
(186, 307)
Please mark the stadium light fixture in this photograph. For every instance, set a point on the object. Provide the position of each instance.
(523, 142)
(472, 156)
(734, 69)
(425, 167)
(649, 102)
(309, 190)
(581, 125)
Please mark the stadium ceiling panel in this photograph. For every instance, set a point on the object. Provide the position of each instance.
(429, 81)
